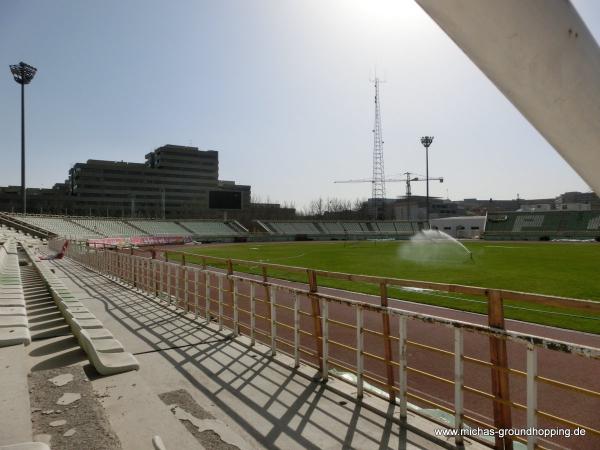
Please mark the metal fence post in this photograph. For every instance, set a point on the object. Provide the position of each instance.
(177, 277)
(207, 296)
(186, 288)
(169, 283)
(252, 313)
(316, 313)
(162, 281)
(235, 309)
(220, 287)
(532, 369)
(273, 321)
(387, 342)
(196, 293)
(360, 345)
(402, 372)
(500, 378)
(296, 331)
(325, 339)
(133, 269)
(458, 384)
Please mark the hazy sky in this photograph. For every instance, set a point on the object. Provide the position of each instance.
(279, 87)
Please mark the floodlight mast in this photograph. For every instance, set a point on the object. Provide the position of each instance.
(426, 141)
(23, 74)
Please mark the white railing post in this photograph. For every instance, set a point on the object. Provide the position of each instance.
(186, 283)
(458, 383)
(360, 345)
(252, 313)
(532, 369)
(207, 296)
(155, 264)
(162, 281)
(148, 276)
(196, 293)
(235, 308)
(169, 282)
(273, 321)
(177, 277)
(325, 338)
(296, 331)
(220, 287)
(402, 360)
(144, 267)
(133, 269)
(140, 272)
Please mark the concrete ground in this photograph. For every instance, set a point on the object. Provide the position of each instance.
(198, 388)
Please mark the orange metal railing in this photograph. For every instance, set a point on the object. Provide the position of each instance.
(333, 332)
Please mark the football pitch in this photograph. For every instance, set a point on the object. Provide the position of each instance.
(561, 269)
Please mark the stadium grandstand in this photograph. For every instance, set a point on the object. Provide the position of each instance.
(547, 225)
(524, 226)
(87, 228)
(90, 228)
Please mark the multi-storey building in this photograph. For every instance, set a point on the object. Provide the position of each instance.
(174, 182)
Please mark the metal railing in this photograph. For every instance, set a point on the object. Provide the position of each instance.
(332, 332)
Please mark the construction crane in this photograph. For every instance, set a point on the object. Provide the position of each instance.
(410, 177)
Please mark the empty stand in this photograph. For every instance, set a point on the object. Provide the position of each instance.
(208, 228)
(543, 225)
(61, 226)
(110, 228)
(160, 227)
(354, 229)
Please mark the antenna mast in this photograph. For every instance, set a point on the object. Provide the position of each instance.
(378, 193)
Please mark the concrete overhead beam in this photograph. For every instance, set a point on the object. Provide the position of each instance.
(543, 58)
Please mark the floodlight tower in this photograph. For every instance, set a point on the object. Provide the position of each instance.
(23, 74)
(378, 193)
(426, 141)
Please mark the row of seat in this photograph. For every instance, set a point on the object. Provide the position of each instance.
(206, 228)
(88, 228)
(547, 225)
(60, 226)
(354, 228)
(105, 353)
(14, 328)
(111, 228)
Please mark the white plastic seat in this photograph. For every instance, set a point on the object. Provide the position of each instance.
(14, 336)
(108, 363)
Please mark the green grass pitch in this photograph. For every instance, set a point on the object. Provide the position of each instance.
(563, 269)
